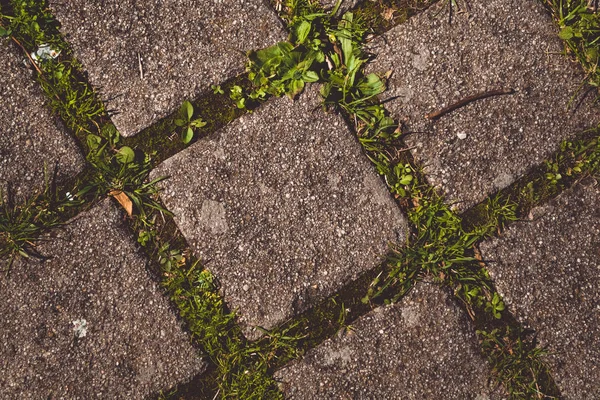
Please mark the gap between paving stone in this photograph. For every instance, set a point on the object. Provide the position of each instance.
(420, 347)
(183, 47)
(31, 138)
(547, 272)
(498, 44)
(283, 207)
(133, 347)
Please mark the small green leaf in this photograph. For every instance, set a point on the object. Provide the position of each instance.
(93, 141)
(198, 123)
(125, 155)
(189, 109)
(296, 87)
(5, 32)
(180, 122)
(217, 89)
(302, 31)
(566, 33)
(310, 76)
(406, 179)
(187, 135)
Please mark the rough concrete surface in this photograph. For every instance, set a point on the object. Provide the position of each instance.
(133, 346)
(31, 138)
(548, 271)
(420, 348)
(498, 44)
(184, 46)
(283, 207)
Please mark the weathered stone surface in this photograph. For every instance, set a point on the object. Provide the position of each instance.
(497, 44)
(283, 206)
(420, 348)
(548, 271)
(184, 47)
(31, 138)
(134, 345)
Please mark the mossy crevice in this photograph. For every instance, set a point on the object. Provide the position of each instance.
(162, 139)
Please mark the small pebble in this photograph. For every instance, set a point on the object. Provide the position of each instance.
(461, 135)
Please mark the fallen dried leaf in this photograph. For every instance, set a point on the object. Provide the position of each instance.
(123, 200)
(388, 14)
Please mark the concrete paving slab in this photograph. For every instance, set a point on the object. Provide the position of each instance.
(548, 271)
(131, 344)
(423, 347)
(499, 44)
(30, 136)
(183, 48)
(283, 207)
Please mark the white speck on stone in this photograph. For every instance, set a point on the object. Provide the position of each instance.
(461, 135)
(245, 287)
(80, 328)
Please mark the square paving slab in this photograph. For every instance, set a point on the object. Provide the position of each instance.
(499, 44)
(31, 138)
(283, 206)
(420, 348)
(548, 271)
(183, 47)
(88, 322)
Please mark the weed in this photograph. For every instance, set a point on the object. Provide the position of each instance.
(217, 89)
(517, 363)
(32, 26)
(21, 225)
(123, 174)
(580, 29)
(186, 123)
(243, 369)
(237, 95)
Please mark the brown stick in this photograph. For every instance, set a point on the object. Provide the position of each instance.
(498, 92)
(27, 54)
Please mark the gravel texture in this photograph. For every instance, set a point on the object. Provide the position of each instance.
(283, 207)
(498, 44)
(420, 348)
(184, 47)
(31, 138)
(548, 271)
(133, 347)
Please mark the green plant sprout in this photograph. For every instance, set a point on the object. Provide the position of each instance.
(186, 123)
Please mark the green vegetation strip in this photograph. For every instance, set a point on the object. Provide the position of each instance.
(22, 221)
(326, 49)
(121, 171)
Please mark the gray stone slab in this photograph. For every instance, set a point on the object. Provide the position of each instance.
(497, 44)
(30, 136)
(548, 271)
(134, 346)
(423, 347)
(184, 47)
(283, 207)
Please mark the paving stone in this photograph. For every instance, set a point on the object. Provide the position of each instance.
(548, 271)
(134, 346)
(423, 347)
(31, 138)
(184, 47)
(498, 44)
(283, 206)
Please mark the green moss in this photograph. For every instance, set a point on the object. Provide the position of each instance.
(382, 15)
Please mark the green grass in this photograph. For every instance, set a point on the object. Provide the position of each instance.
(580, 29)
(327, 49)
(22, 221)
